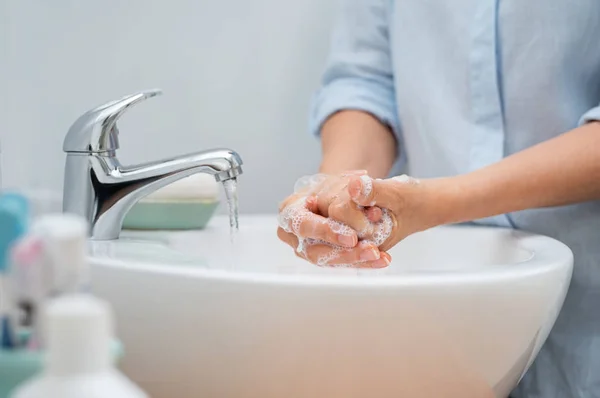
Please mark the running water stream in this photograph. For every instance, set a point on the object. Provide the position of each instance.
(230, 187)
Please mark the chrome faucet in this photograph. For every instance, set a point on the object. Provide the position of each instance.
(99, 188)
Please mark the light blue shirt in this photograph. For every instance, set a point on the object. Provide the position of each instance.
(464, 83)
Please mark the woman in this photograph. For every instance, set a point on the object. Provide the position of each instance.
(493, 108)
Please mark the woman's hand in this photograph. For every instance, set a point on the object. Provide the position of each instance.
(408, 205)
(309, 221)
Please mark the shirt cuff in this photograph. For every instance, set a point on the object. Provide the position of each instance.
(354, 94)
(592, 115)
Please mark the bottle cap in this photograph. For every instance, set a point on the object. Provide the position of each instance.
(14, 216)
(64, 238)
(78, 334)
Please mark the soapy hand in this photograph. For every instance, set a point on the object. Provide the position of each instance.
(403, 198)
(320, 221)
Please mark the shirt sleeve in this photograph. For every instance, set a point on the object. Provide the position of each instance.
(358, 74)
(590, 116)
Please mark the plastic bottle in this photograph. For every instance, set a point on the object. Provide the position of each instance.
(52, 261)
(78, 358)
(64, 237)
(14, 212)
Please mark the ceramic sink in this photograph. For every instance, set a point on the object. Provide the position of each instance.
(462, 311)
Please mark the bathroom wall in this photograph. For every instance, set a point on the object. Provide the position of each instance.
(235, 73)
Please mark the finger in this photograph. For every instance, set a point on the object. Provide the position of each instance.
(295, 218)
(326, 198)
(366, 191)
(287, 237)
(299, 245)
(318, 227)
(384, 261)
(374, 214)
(323, 254)
(288, 201)
(312, 204)
(349, 213)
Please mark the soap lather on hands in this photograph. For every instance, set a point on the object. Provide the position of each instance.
(348, 219)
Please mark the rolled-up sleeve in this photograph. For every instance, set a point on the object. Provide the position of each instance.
(592, 115)
(358, 74)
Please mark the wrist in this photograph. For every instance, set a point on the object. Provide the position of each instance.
(466, 198)
(445, 201)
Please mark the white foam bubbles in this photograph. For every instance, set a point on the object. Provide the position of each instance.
(292, 215)
(367, 186)
(331, 255)
(382, 229)
(404, 179)
(339, 228)
(301, 249)
(367, 231)
(325, 259)
(309, 183)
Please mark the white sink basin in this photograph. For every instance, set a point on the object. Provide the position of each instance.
(461, 312)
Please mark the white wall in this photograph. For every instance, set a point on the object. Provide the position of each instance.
(234, 73)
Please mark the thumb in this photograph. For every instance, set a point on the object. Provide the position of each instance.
(366, 191)
(312, 204)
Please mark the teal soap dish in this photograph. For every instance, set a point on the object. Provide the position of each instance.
(170, 215)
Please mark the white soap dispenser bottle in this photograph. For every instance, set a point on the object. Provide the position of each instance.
(78, 358)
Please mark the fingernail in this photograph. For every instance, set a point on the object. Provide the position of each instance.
(312, 203)
(374, 214)
(367, 185)
(383, 262)
(370, 255)
(347, 240)
(354, 188)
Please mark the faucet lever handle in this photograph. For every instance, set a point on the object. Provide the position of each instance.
(96, 130)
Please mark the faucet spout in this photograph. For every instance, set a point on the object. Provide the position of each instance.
(100, 189)
(223, 164)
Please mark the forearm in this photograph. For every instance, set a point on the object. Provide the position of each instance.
(355, 140)
(561, 171)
